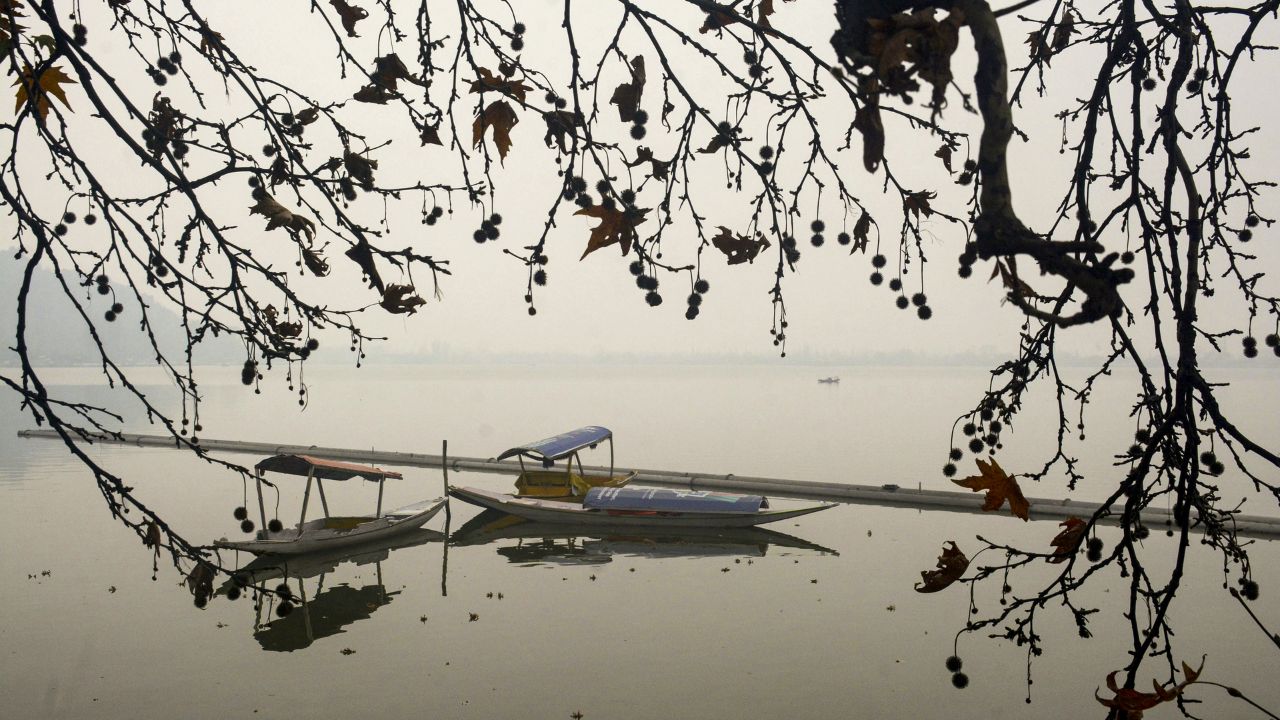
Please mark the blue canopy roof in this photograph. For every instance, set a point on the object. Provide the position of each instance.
(563, 445)
(670, 500)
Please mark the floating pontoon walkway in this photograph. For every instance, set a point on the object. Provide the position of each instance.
(887, 495)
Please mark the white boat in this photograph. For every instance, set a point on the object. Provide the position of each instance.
(639, 507)
(331, 531)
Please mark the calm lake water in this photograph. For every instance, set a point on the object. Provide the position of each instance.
(817, 619)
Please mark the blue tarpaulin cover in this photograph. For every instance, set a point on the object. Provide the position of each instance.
(563, 445)
(669, 500)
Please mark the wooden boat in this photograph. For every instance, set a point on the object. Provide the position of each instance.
(522, 541)
(329, 532)
(638, 507)
(564, 485)
(829, 380)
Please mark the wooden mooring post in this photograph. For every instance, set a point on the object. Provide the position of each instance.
(1258, 526)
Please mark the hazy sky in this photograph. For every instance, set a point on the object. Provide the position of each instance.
(592, 305)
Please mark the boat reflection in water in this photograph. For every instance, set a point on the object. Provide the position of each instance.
(323, 611)
(522, 541)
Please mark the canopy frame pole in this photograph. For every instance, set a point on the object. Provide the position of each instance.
(323, 502)
(262, 506)
(610, 457)
(381, 481)
(306, 497)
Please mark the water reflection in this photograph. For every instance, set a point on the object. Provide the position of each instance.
(323, 611)
(525, 542)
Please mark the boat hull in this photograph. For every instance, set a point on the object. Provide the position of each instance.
(551, 511)
(369, 530)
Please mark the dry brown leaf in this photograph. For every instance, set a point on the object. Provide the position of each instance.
(389, 69)
(47, 81)
(400, 299)
(514, 89)
(738, 248)
(350, 15)
(616, 227)
(152, 537)
(867, 121)
(1132, 704)
(362, 255)
(627, 95)
(861, 232)
(951, 565)
(1063, 32)
(210, 40)
(658, 167)
(718, 17)
(430, 135)
(1000, 486)
(374, 93)
(279, 216)
(1067, 542)
(501, 118)
(944, 154)
(315, 262)
(360, 168)
(918, 202)
(560, 125)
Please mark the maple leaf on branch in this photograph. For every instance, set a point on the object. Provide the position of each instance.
(918, 202)
(1009, 278)
(616, 227)
(515, 89)
(717, 17)
(501, 117)
(868, 122)
(658, 168)
(43, 83)
(279, 216)
(400, 299)
(362, 255)
(430, 135)
(152, 537)
(389, 69)
(627, 95)
(1132, 704)
(1067, 542)
(360, 168)
(951, 565)
(350, 15)
(560, 125)
(315, 262)
(861, 231)
(738, 248)
(1000, 486)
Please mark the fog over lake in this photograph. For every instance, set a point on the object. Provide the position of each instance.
(813, 619)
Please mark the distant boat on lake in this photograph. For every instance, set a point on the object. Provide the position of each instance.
(829, 380)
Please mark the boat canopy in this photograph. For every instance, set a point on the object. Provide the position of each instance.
(670, 500)
(324, 469)
(560, 446)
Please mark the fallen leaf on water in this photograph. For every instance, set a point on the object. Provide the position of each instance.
(1066, 542)
(616, 227)
(951, 565)
(1132, 703)
(48, 81)
(1000, 486)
